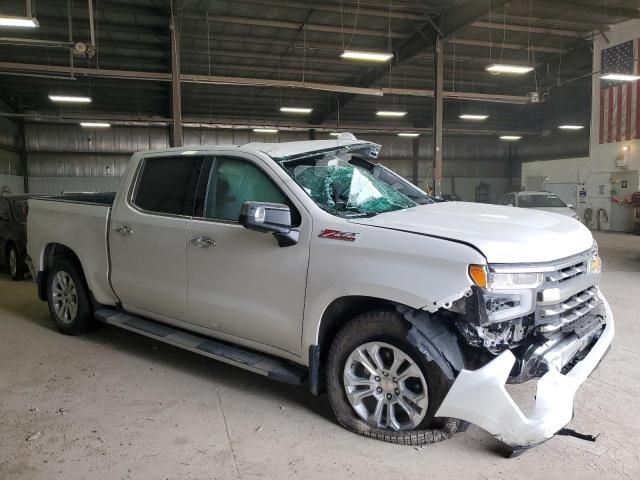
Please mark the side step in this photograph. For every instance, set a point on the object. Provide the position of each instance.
(249, 360)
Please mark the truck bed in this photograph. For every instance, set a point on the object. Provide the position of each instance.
(79, 222)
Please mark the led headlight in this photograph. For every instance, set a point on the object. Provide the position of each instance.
(506, 295)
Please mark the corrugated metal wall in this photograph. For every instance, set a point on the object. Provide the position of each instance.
(70, 158)
(11, 179)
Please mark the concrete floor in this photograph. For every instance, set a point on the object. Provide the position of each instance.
(115, 405)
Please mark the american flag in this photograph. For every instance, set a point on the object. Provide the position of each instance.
(620, 101)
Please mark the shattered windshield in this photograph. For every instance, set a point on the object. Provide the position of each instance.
(344, 189)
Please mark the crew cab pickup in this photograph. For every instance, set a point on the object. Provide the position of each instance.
(310, 263)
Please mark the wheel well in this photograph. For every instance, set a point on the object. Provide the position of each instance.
(335, 316)
(51, 252)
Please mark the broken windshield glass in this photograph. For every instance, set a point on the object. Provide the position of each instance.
(344, 189)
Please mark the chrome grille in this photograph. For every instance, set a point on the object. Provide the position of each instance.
(569, 293)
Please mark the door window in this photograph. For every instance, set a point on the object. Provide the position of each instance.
(4, 210)
(233, 182)
(167, 185)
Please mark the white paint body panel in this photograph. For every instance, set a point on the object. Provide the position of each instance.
(503, 234)
(82, 228)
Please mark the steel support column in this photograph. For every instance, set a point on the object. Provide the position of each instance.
(438, 65)
(176, 98)
(416, 158)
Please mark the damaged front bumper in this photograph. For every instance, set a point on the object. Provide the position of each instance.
(480, 397)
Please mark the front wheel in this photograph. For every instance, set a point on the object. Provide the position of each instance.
(68, 298)
(380, 385)
(17, 266)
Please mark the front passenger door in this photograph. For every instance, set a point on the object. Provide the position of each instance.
(240, 282)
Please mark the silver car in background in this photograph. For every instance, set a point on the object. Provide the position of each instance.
(545, 201)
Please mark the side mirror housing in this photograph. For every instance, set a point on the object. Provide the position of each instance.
(272, 218)
(570, 205)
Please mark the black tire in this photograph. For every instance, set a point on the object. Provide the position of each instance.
(391, 328)
(83, 320)
(17, 272)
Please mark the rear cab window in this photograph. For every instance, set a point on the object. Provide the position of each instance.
(167, 185)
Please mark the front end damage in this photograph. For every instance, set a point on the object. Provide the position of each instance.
(547, 322)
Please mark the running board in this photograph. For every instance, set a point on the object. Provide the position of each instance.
(249, 360)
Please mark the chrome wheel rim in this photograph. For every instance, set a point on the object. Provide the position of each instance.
(13, 262)
(385, 387)
(65, 297)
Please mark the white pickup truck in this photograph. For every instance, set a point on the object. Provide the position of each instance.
(309, 262)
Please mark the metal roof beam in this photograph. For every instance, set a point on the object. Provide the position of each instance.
(526, 28)
(424, 37)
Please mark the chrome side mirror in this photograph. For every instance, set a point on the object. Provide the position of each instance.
(272, 218)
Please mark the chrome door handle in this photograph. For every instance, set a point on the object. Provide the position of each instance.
(124, 230)
(203, 242)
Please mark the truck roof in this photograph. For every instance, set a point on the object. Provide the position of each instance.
(289, 149)
(275, 150)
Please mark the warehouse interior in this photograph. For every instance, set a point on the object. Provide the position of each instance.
(86, 84)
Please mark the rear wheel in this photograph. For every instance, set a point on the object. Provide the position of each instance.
(17, 266)
(380, 385)
(68, 298)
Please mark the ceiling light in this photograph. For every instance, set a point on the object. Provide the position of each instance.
(408, 134)
(390, 113)
(265, 130)
(505, 68)
(69, 99)
(622, 77)
(334, 134)
(296, 110)
(8, 21)
(189, 152)
(95, 124)
(510, 138)
(571, 127)
(473, 116)
(368, 56)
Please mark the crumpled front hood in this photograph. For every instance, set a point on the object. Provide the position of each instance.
(502, 234)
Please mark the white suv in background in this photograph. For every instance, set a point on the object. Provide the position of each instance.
(545, 201)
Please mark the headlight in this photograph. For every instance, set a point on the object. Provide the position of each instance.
(504, 281)
(595, 264)
(514, 281)
(506, 295)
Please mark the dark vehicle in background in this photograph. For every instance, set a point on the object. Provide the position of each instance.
(13, 234)
(450, 197)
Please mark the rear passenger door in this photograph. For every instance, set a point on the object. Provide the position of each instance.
(148, 236)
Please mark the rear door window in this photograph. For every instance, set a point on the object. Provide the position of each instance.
(20, 209)
(167, 185)
(4, 210)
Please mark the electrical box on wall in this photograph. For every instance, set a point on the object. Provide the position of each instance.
(621, 161)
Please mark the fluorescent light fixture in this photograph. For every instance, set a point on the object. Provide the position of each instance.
(506, 68)
(473, 116)
(265, 130)
(95, 124)
(296, 110)
(28, 22)
(189, 152)
(390, 113)
(69, 99)
(622, 77)
(510, 138)
(334, 134)
(368, 56)
(571, 127)
(408, 134)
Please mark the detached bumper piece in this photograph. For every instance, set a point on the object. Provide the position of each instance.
(480, 397)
